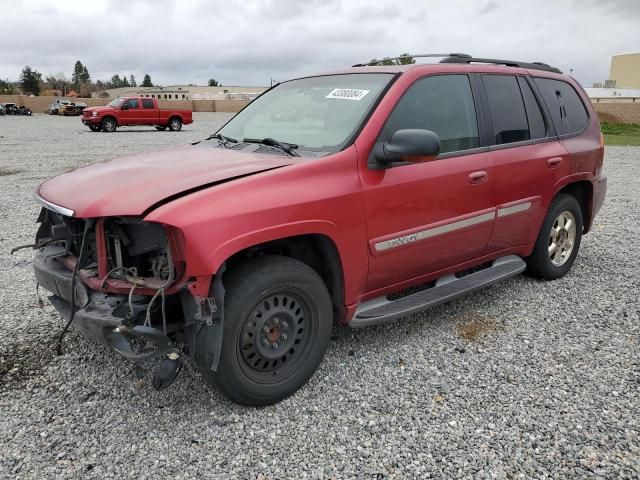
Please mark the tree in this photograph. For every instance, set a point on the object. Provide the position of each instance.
(76, 76)
(146, 81)
(132, 81)
(406, 59)
(214, 83)
(5, 88)
(84, 76)
(125, 82)
(58, 82)
(116, 81)
(30, 80)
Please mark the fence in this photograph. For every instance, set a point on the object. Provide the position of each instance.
(40, 104)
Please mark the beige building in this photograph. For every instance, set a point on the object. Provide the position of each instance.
(189, 92)
(625, 71)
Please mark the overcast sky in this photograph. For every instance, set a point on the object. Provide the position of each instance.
(248, 42)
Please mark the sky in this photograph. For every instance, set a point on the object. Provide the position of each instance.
(251, 42)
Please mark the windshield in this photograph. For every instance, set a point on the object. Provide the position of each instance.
(117, 102)
(317, 114)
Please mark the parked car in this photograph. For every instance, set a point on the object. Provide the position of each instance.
(22, 110)
(14, 109)
(10, 108)
(357, 197)
(54, 108)
(80, 106)
(2, 110)
(129, 111)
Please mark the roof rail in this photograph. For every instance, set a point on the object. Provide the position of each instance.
(462, 58)
(398, 59)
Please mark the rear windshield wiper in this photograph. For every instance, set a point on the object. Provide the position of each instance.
(224, 141)
(288, 148)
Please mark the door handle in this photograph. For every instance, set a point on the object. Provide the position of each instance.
(476, 178)
(554, 162)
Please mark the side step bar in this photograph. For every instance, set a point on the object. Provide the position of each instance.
(380, 310)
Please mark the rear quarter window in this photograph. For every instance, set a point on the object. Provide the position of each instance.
(568, 113)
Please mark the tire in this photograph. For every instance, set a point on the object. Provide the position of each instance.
(108, 124)
(161, 128)
(175, 124)
(559, 239)
(94, 128)
(268, 353)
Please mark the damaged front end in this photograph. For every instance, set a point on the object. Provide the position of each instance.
(120, 280)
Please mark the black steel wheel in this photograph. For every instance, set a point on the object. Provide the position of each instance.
(276, 333)
(276, 329)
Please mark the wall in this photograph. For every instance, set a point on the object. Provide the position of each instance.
(618, 112)
(39, 104)
(625, 70)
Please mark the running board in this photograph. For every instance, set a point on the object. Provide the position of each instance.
(447, 288)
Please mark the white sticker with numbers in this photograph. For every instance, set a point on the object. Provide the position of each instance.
(347, 93)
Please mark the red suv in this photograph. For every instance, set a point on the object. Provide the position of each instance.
(359, 197)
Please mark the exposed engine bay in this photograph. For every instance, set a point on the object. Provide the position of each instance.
(116, 278)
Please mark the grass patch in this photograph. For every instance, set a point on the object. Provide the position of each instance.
(621, 133)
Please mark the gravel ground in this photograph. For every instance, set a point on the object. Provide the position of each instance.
(524, 380)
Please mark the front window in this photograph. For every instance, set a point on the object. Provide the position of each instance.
(318, 114)
(117, 102)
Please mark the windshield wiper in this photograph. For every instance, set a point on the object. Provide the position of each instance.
(224, 141)
(288, 148)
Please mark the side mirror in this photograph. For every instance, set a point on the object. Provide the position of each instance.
(125, 106)
(410, 145)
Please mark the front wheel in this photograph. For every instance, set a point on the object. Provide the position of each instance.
(108, 125)
(175, 124)
(277, 325)
(559, 239)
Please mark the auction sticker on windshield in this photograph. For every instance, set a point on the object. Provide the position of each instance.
(347, 93)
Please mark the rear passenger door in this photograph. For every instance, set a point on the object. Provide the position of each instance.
(148, 115)
(527, 157)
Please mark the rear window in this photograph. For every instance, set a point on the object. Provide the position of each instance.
(568, 113)
(147, 103)
(507, 109)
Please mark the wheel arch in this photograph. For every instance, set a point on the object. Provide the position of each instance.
(318, 251)
(582, 191)
(113, 117)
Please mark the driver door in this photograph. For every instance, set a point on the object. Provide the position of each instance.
(430, 216)
(130, 115)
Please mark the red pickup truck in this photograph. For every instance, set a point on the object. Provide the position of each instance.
(126, 111)
(358, 197)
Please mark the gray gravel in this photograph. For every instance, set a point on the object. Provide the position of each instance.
(525, 380)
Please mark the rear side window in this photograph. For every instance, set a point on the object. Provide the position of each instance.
(568, 113)
(147, 103)
(507, 109)
(537, 125)
(443, 104)
(132, 102)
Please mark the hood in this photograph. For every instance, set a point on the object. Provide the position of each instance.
(99, 109)
(135, 184)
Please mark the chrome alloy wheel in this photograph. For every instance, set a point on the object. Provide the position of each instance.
(562, 238)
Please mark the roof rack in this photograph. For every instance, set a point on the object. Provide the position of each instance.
(465, 58)
(403, 57)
